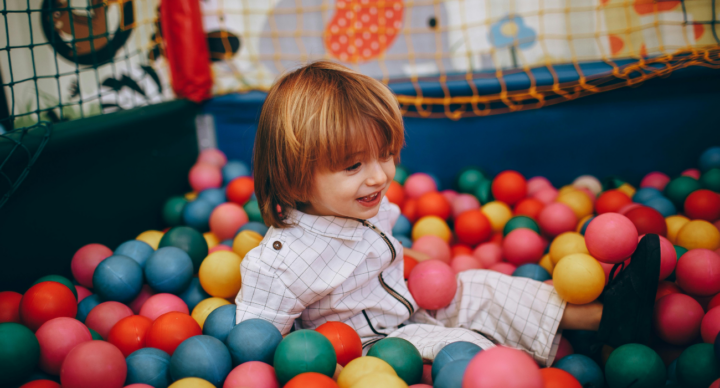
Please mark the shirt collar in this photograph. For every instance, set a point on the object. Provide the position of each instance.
(329, 226)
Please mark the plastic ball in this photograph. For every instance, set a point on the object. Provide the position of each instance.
(172, 211)
(408, 264)
(680, 188)
(523, 246)
(311, 379)
(698, 366)
(401, 174)
(204, 308)
(19, 352)
(698, 272)
(502, 367)
(203, 357)
(381, 380)
(611, 201)
(433, 204)
(677, 318)
(212, 156)
(42, 384)
(558, 378)
(433, 246)
(580, 203)
(345, 341)
(566, 244)
(532, 271)
(245, 241)
(234, 169)
(256, 374)
(546, 263)
(118, 278)
(488, 254)
(196, 214)
(703, 205)
(674, 224)
(645, 194)
(212, 240)
(460, 249)
(137, 250)
(171, 329)
(625, 209)
(483, 192)
(418, 184)
(530, 207)
(85, 260)
(432, 284)
(634, 365)
(627, 189)
(45, 301)
(521, 222)
(565, 349)
(503, 268)
(204, 176)
(472, 227)
(547, 195)
(461, 350)
(611, 238)
(94, 364)
(59, 279)
(10, 306)
(226, 219)
(409, 209)
(402, 356)
(663, 206)
(304, 351)
(151, 237)
(710, 158)
(698, 234)
(56, 338)
(469, 178)
(584, 369)
(711, 180)
(396, 194)
(647, 220)
(220, 274)
(451, 376)
(557, 218)
(463, 203)
(256, 227)
(128, 334)
(169, 270)
(194, 294)
(537, 183)
(252, 209)
(431, 225)
(84, 307)
(498, 213)
(464, 262)
(189, 240)
(656, 180)
(710, 326)
(509, 187)
(589, 182)
(578, 278)
(239, 190)
(361, 367)
(253, 340)
(192, 382)
(668, 257)
(402, 227)
(105, 315)
(215, 197)
(159, 304)
(149, 366)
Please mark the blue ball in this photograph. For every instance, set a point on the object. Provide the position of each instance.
(196, 214)
(234, 169)
(710, 159)
(663, 205)
(148, 366)
(228, 243)
(451, 375)
(404, 240)
(214, 197)
(646, 193)
(170, 270)
(137, 250)
(532, 271)
(585, 370)
(582, 230)
(253, 340)
(118, 278)
(194, 294)
(455, 351)
(255, 226)
(86, 305)
(402, 227)
(201, 356)
(219, 323)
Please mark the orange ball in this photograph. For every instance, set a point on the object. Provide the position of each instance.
(409, 263)
(472, 227)
(396, 194)
(558, 378)
(410, 209)
(344, 339)
(433, 204)
(239, 190)
(311, 379)
(703, 205)
(460, 249)
(530, 207)
(45, 301)
(129, 333)
(170, 329)
(509, 187)
(611, 201)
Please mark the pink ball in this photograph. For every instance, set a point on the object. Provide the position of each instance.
(94, 364)
(219, 247)
(432, 283)
(557, 218)
(418, 184)
(82, 293)
(226, 219)
(625, 209)
(677, 318)
(698, 272)
(462, 263)
(502, 367)
(655, 179)
(523, 246)
(57, 337)
(504, 268)
(212, 156)
(546, 195)
(611, 238)
(205, 176)
(536, 184)
(450, 195)
(550, 282)
(434, 246)
(254, 374)
(607, 267)
(145, 293)
(715, 384)
(85, 260)
(420, 386)
(105, 315)
(710, 326)
(668, 257)
(464, 202)
(692, 173)
(160, 304)
(488, 254)
(565, 348)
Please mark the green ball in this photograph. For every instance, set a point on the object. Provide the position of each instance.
(253, 211)
(679, 188)
(189, 240)
(19, 353)
(697, 366)
(402, 356)
(173, 209)
(711, 180)
(401, 173)
(59, 279)
(304, 351)
(484, 192)
(95, 335)
(469, 179)
(612, 182)
(634, 365)
(518, 222)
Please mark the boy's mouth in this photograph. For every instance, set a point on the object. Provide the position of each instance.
(370, 199)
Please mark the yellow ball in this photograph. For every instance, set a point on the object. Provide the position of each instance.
(566, 244)
(191, 196)
(627, 189)
(674, 224)
(498, 213)
(383, 380)
(245, 241)
(578, 278)
(211, 240)
(578, 201)
(582, 222)
(358, 368)
(698, 234)
(205, 307)
(566, 189)
(191, 382)
(431, 225)
(220, 274)
(546, 263)
(151, 237)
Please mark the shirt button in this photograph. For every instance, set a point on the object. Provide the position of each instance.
(277, 245)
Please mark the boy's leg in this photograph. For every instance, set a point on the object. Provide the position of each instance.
(429, 339)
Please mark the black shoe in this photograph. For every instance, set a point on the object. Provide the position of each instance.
(629, 297)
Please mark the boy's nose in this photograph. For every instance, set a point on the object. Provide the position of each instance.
(377, 175)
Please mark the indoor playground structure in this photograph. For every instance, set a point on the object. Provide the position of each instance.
(544, 139)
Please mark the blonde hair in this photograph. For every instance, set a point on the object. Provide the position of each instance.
(316, 117)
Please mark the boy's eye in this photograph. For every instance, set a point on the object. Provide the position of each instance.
(353, 167)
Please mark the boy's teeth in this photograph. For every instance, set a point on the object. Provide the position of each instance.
(369, 197)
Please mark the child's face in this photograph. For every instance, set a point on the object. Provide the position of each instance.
(354, 192)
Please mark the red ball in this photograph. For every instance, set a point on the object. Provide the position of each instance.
(648, 220)
(408, 264)
(523, 246)
(472, 227)
(226, 219)
(557, 218)
(129, 333)
(45, 301)
(105, 315)
(311, 379)
(41, 384)
(677, 319)
(714, 302)
(509, 187)
(240, 189)
(94, 364)
(169, 330)
(85, 260)
(344, 339)
(698, 272)
(611, 201)
(10, 306)
(396, 194)
(460, 249)
(715, 384)
(433, 204)
(503, 268)
(710, 326)
(565, 348)
(530, 207)
(666, 288)
(703, 205)
(611, 238)
(57, 337)
(432, 284)
(558, 378)
(409, 209)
